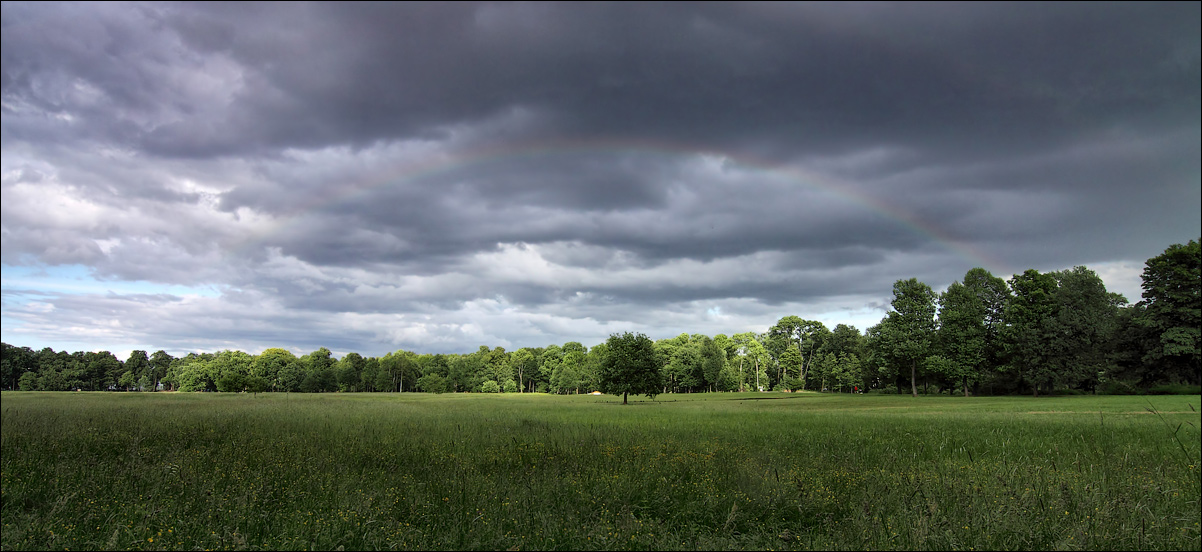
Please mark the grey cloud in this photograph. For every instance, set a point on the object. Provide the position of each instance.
(359, 162)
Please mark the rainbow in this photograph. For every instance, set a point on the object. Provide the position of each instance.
(436, 165)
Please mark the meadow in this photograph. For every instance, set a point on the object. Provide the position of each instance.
(524, 472)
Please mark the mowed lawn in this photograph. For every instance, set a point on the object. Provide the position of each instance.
(524, 472)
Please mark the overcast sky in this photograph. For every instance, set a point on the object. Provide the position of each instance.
(436, 177)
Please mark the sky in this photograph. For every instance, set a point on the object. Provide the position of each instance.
(437, 177)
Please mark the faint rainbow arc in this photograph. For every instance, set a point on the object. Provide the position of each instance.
(417, 171)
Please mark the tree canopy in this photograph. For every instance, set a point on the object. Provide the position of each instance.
(630, 366)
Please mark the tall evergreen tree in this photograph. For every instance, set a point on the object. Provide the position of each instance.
(1172, 312)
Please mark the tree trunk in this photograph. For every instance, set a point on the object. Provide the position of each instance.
(966, 387)
(914, 379)
(623, 397)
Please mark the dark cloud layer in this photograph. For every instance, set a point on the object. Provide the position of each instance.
(438, 176)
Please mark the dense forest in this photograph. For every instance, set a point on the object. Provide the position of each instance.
(1038, 333)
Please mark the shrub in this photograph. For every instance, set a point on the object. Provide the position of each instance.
(490, 386)
(432, 383)
(1175, 389)
(1117, 387)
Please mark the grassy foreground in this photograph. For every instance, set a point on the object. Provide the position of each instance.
(713, 471)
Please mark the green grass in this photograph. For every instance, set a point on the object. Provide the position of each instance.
(710, 471)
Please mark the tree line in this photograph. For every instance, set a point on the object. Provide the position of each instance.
(1035, 333)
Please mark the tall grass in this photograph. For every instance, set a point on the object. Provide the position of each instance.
(748, 471)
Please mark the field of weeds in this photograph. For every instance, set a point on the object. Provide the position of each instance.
(702, 471)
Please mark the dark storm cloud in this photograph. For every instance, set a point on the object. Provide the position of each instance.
(543, 166)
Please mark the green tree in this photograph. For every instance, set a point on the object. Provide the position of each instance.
(231, 382)
(103, 370)
(137, 366)
(909, 328)
(1172, 313)
(522, 362)
(279, 368)
(1082, 330)
(349, 371)
(806, 336)
(14, 363)
(961, 335)
(28, 382)
(753, 359)
(256, 384)
(160, 362)
(432, 383)
(850, 375)
(550, 360)
(630, 366)
(367, 379)
(790, 362)
(1028, 317)
(713, 359)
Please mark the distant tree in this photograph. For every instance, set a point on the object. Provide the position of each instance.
(231, 382)
(232, 367)
(753, 359)
(713, 359)
(961, 335)
(522, 363)
(349, 370)
(850, 373)
(1172, 312)
(256, 384)
(279, 368)
(137, 366)
(806, 336)
(568, 375)
(1082, 329)
(1028, 323)
(550, 360)
(630, 367)
(103, 370)
(432, 383)
(160, 362)
(14, 363)
(367, 379)
(909, 328)
(790, 362)
(28, 382)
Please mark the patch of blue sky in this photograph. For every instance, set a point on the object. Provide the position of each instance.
(26, 283)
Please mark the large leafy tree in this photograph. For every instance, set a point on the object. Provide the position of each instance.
(1028, 316)
(753, 359)
(523, 364)
(136, 367)
(908, 330)
(14, 363)
(160, 362)
(806, 336)
(1172, 312)
(279, 368)
(1083, 327)
(970, 315)
(630, 366)
(713, 358)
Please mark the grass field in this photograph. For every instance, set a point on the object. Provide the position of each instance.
(711, 471)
